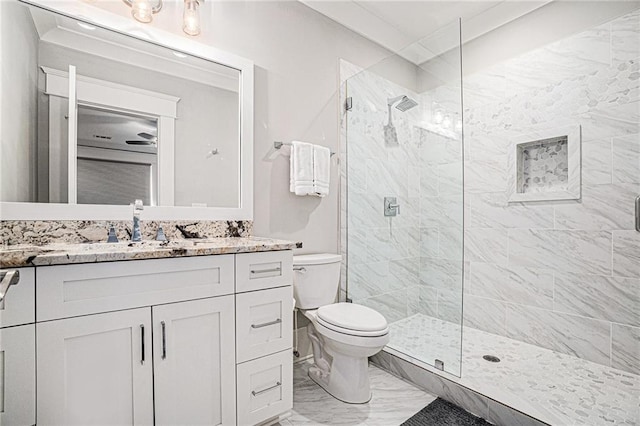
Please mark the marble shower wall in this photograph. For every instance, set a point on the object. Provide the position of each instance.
(410, 263)
(563, 275)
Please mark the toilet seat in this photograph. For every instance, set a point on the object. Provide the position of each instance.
(357, 319)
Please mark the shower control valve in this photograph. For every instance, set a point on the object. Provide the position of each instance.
(391, 206)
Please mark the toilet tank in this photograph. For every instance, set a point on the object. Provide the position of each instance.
(315, 279)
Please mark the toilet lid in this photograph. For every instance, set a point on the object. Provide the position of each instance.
(352, 316)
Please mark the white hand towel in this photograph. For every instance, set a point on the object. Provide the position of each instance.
(321, 170)
(301, 168)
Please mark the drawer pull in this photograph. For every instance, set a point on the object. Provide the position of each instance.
(254, 393)
(8, 278)
(164, 339)
(264, 271)
(266, 324)
(142, 344)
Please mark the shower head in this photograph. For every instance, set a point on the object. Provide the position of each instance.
(405, 103)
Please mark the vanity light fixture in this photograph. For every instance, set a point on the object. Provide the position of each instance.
(142, 10)
(191, 17)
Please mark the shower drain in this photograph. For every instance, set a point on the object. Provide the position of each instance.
(491, 358)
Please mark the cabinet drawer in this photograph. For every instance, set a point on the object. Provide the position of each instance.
(264, 322)
(73, 290)
(18, 375)
(19, 305)
(257, 271)
(265, 388)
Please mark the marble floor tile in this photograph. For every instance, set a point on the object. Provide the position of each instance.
(393, 402)
(556, 388)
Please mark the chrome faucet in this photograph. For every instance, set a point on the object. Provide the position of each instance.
(137, 209)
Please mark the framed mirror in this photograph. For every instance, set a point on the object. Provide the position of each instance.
(98, 111)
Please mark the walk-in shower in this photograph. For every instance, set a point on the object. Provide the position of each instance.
(548, 285)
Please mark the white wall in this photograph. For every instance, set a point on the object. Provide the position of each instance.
(19, 95)
(296, 52)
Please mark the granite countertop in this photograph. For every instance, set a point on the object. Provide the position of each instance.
(62, 254)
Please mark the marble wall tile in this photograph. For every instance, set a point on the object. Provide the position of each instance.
(405, 271)
(487, 87)
(485, 314)
(525, 286)
(393, 306)
(574, 55)
(625, 37)
(450, 243)
(574, 335)
(429, 180)
(625, 348)
(441, 273)
(626, 254)
(450, 179)
(450, 305)
(560, 250)
(486, 245)
(438, 149)
(608, 298)
(492, 210)
(626, 159)
(371, 279)
(422, 300)
(602, 207)
(364, 211)
(596, 162)
(429, 242)
(486, 145)
(445, 211)
(610, 121)
(486, 175)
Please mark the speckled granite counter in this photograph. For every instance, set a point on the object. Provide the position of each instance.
(64, 253)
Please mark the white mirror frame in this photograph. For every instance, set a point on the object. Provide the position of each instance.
(50, 211)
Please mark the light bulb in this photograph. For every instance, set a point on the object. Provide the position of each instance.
(191, 18)
(446, 122)
(142, 11)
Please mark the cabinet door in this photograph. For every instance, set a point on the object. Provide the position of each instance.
(18, 375)
(194, 362)
(95, 369)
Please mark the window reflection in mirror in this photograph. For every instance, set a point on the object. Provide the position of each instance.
(193, 105)
(117, 157)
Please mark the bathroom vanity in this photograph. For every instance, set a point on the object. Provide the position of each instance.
(202, 336)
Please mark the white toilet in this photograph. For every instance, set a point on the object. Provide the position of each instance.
(343, 335)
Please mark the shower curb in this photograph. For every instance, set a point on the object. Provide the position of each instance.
(489, 409)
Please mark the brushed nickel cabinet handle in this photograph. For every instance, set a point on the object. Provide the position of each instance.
(266, 324)
(142, 343)
(264, 271)
(7, 279)
(164, 339)
(254, 393)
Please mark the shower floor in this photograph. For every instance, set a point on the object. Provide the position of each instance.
(555, 388)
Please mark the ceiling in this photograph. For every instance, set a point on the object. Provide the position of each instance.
(399, 24)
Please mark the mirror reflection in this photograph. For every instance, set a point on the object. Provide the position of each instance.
(96, 117)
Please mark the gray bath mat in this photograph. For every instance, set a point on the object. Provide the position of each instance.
(443, 413)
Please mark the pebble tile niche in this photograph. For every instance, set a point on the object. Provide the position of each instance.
(543, 165)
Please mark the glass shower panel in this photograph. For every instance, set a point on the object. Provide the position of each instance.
(404, 199)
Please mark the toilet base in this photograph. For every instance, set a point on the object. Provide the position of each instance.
(346, 381)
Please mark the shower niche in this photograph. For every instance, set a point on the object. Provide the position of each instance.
(546, 166)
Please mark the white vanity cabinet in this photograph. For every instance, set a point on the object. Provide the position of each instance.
(18, 351)
(164, 341)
